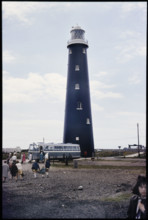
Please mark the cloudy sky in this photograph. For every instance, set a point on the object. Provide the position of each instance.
(35, 58)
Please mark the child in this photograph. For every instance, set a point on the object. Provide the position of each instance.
(47, 166)
(35, 168)
(137, 206)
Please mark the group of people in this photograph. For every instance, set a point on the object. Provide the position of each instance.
(137, 204)
(45, 169)
(14, 166)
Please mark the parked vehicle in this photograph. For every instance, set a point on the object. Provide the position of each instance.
(55, 151)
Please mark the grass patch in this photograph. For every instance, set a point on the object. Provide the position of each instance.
(59, 165)
(110, 167)
(70, 165)
(117, 197)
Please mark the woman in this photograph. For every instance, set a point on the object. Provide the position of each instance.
(20, 169)
(14, 171)
(5, 171)
(137, 206)
(23, 158)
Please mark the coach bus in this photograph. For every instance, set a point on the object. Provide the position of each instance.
(54, 151)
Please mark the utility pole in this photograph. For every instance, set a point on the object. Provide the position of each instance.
(138, 139)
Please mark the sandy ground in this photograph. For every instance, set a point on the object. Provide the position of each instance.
(106, 190)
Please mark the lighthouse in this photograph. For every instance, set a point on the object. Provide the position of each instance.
(78, 126)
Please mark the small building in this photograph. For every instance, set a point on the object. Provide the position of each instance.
(11, 150)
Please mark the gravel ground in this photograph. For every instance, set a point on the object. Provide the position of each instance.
(106, 190)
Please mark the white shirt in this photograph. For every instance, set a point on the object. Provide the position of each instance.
(19, 166)
(46, 156)
(13, 157)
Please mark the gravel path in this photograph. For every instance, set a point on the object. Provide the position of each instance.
(105, 192)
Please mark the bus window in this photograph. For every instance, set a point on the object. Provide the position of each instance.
(60, 148)
(56, 148)
(31, 147)
(51, 148)
(46, 147)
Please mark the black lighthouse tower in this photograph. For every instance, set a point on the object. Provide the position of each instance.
(78, 119)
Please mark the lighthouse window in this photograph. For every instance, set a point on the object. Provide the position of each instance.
(77, 86)
(79, 106)
(70, 51)
(77, 68)
(87, 121)
(77, 138)
(84, 51)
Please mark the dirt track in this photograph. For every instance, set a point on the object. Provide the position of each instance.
(106, 190)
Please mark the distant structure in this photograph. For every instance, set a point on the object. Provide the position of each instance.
(78, 120)
(11, 150)
(135, 146)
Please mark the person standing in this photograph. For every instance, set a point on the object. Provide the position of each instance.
(47, 166)
(5, 171)
(10, 166)
(137, 206)
(20, 169)
(14, 157)
(35, 168)
(46, 157)
(14, 171)
(8, 158)
(41, 156)
(23, 158)
(30, 158)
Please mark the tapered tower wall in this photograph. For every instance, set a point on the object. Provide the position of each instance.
(78, 120)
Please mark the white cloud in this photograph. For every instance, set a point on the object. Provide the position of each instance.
(96, 107)
(96, 90)
(135, 79)
(34, 131)
(141, 51)
(129, 34)
(134, 114)
(132, 44)
(131, 6)
(8, 56)
(23, 11)
(129, 50)
(17, 10)
(101, 74)
(102, 95)
(49, 87)
(95, 84)
(5, 74)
